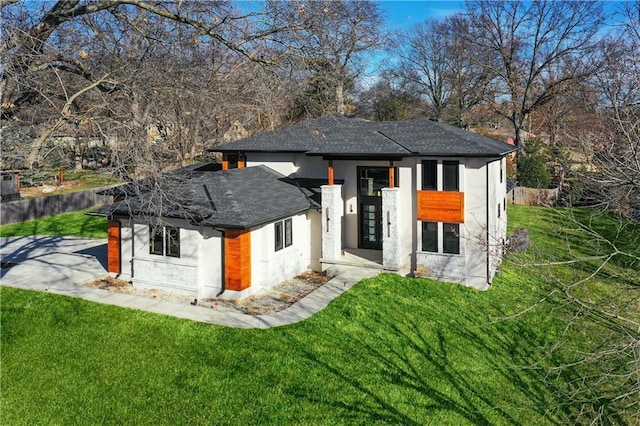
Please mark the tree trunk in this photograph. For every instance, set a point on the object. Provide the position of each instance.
(32, 158)
(340, 98)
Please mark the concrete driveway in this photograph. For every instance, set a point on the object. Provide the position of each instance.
(41, 262)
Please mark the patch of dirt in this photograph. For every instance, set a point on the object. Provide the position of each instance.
(276, 299)
(39, 191)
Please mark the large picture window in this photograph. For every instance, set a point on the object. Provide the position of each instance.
(164, 241)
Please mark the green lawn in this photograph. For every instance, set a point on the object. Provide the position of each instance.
(76, 224)
(391, 350)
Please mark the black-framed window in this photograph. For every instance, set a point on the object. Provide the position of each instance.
(278, 235)
(450, 176)
(288, 232)
(172, 241)
(430, 174)
(164, 240)
(430, 236)
(156, 240)
(451, 238)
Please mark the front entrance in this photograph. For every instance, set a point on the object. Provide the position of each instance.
(371, 180)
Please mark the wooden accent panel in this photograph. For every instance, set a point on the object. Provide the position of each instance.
(237, 259)
(225, 162)
(242, 162)
(441, 206)
(330, 172)
(392, 176)
(113, 247)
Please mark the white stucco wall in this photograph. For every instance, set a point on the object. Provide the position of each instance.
(126, 249)
(497, 214)
(210, 263)
(198, 270)
(475, 223)
(290, 164)
(332, 220)
(175, 273)
(270, 267)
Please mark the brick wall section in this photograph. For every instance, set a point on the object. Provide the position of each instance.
(35, 208)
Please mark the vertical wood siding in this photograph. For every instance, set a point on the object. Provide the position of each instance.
(237, 259)
(113, 247)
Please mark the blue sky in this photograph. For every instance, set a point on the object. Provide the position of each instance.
(402, 13)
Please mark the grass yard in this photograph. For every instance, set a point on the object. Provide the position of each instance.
(76, 224)
(391, 350)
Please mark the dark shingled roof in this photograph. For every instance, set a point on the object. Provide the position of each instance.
(341, 136)
(237, 198)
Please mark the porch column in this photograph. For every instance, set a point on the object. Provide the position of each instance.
(391, 228)
(332, 213)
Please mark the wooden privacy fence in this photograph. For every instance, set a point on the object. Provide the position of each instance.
(35, 208)
(523, 196)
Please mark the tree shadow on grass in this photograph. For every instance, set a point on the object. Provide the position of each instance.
(425, 372)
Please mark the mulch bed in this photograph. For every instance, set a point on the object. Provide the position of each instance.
(276, 299)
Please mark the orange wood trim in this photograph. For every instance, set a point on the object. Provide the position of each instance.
(242, 162)
(330, 172)
(392, 176)
(113, 247)
(225, 162)
(237, 259)
(441, 206)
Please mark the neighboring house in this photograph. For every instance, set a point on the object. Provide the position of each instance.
(422, 197)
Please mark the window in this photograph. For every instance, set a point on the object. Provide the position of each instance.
(451, 240)
(288, 232)
(155, 240)
(499, 211)
(283, 233)
(278, 235)
(429, 175)
(450, 180)
(164, 240)
(430, 236)
(172, 241)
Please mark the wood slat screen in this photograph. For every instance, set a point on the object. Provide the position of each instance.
(441, 206)
(237, 259)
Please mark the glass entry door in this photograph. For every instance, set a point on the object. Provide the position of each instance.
(371, 180)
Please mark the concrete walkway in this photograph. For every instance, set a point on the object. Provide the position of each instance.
(61, 265)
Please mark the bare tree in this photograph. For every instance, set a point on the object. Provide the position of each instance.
(52, 48)
(539, 50)
(438, 62)
(328, 48)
